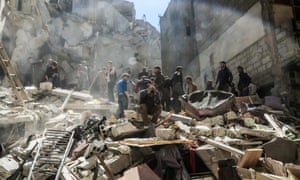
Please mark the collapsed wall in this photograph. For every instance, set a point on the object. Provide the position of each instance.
(73, 32)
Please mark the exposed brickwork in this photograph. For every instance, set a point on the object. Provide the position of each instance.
(257, 61)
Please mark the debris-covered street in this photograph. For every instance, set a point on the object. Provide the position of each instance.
(78, 137)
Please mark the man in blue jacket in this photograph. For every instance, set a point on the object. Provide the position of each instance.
(123, 95)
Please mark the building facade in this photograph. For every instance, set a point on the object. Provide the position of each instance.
(259, 35)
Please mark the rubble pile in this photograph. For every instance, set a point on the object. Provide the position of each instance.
(253, 142)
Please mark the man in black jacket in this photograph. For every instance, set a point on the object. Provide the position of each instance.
(150, 104)
(224, 77)
(177, 88)
(244, 81)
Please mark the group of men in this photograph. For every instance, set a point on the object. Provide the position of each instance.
(224, 80)
(156, 92)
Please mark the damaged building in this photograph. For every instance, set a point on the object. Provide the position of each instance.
(69, 132)
(262, 36)
(76, 32)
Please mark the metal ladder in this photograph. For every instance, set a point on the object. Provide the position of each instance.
(53, 149)
(13, 79)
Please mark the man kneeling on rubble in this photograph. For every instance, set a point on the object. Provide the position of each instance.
(150, 104)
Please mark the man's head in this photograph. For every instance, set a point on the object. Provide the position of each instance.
(156, 69)
(222, 64)
(125, 76)
(188, 79)
(179, 68)
(240, 69)
(109, 64)
(54, 64)
(151, 90)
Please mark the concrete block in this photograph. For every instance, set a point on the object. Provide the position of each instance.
(218, 131)
(118, 163)
(131, 115)
(26, 168)
(89, 163)
(249, 122)
(94, 147)
(122, 149)
(8, 166)
(165, 133)
(231, 116)
(120, 129)
(46, 86)
(201, 130)
(212, 121)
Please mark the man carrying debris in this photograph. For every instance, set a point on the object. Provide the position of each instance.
(150, 104)
(123, 95)
(51, 74)
(224, 77)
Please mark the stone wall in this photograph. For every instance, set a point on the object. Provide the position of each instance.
(257, 60)
(232, 46)
(257, 35)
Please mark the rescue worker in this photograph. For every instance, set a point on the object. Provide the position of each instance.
(244, 81)
(150, 104)
(224, 78)
(51, 74)
(177, 88)
(123, 95)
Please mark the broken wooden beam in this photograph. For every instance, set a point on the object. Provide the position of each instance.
(250, 158)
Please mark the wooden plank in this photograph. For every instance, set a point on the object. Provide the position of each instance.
(250, 158)
(245, 99)
(146, 142)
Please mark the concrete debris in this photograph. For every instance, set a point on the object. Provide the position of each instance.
(165, 133)
(122, 128)
(107, 147)
(8, 166)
